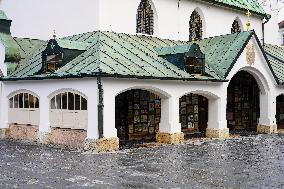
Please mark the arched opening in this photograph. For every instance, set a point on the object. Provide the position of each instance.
(193, 115)
(195, 26)
(68, 118)
(68, 110)
(243, 102)
(23, 109)
(145, 18)
(137, 116)
(280, 111)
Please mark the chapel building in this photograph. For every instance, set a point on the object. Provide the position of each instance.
(137, 71)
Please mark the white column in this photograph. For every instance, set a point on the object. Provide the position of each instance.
(4, 107)
(92, 131)
(109, 113)
(44, 125)
(170, 115)
(267, 109)
(217, 113)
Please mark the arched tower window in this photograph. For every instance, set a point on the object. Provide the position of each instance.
(236, 27)
(145, 18)
(195, 27)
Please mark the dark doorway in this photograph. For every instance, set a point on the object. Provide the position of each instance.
(193, 115)
(137, 116)
(280, 111)
(243, 102)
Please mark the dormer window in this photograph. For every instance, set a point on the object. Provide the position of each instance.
(52, 57)
(194, 65)
(194, 61)
(53, 62)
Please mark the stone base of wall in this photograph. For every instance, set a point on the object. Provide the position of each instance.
(267, 129)
(170, 138)
(102, 144)
(68, 137)
(22, 132)
(217, 133)
(43, 137)
(3, 133)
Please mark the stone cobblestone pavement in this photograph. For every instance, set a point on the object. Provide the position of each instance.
(247, 162)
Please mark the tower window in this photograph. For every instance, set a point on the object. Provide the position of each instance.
(144, 18)
(236, 27)
(195, 27)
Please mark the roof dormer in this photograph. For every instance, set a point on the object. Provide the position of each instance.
(187, 57)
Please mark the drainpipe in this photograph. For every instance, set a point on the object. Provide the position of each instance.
(263, 23)
(100, 106)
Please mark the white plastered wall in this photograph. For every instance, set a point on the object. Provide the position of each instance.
(44, 89)
(173, 21)
(38, 19)
(265, 79)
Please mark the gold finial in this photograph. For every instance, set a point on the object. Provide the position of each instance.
(248, 21)
(54, 34)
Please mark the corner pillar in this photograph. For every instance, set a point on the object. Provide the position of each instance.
(44, 125)
(267, 121)
(170, 128)
(110, 141)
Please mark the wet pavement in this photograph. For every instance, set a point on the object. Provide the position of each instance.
(247, 162)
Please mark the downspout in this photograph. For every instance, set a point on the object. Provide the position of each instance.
(263, 23)
(100, 106)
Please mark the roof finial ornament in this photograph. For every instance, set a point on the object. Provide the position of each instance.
(248, 21)
(54, 34)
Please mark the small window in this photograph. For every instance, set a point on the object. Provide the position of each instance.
(236, 27)
(53, 62)
(194, 60)
(194, 66)
(52, 57)
(195, 27)
(145, 18)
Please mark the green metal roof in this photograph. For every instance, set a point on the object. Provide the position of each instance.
(123, 55)
(12, 51)
(3, 15)
(275, 55)
(74, 45)
(243, 5)
(27, 46)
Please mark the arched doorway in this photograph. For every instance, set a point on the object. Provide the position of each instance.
(280, 111)
(243, 102)
(193, 114)
(137, 116)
